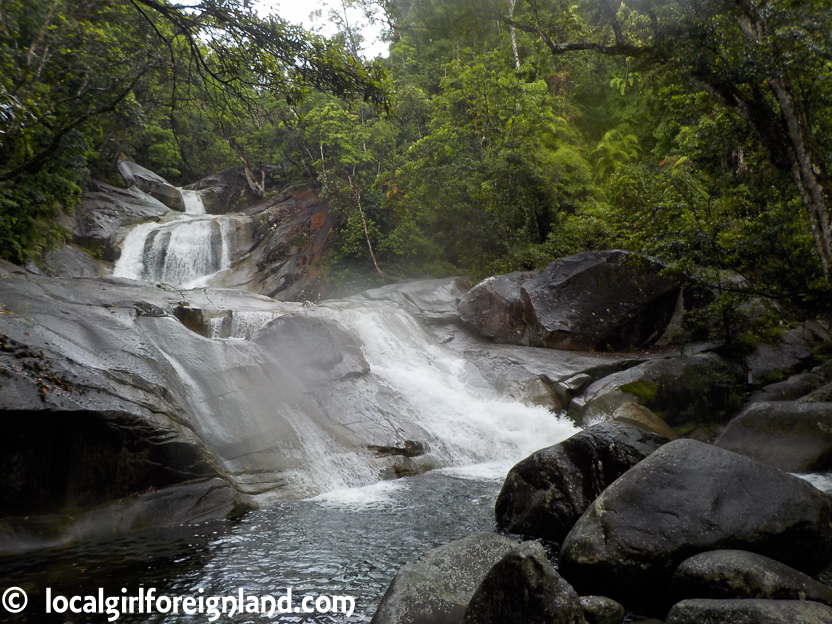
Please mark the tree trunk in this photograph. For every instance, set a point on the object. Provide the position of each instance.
(809, 170)
(513, 32)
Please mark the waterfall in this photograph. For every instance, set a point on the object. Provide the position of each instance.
(281, 431)
(184, 250)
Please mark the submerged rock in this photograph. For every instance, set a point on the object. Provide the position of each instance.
(686, 498)
(598, 300)
(545, 494)
(751, 611)
(493, 308)
(438, 586)
(792, 436)
(523, 588)
(741, 574)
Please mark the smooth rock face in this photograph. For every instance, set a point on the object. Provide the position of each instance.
(431, 301)
(686, 498)
(493, 308)
(755, 611)
(70, 261)
(640, 416)
(602, 610)
(523, 588)
(793, 436)
(741, 574)
(106, 394)
(104, 210)
(682, 389)
(545, 494)
(598, 300)
(437, 587)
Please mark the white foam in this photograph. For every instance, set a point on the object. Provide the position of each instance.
(376, 495)
(822, 481)
(192, 202)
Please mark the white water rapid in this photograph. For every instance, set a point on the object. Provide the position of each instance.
(281, 394)
(184, 250)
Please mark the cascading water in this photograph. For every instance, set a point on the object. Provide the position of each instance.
(184, 250)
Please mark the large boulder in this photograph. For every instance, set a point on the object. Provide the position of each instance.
(598, 300)
(741, 574)
(789, 389)
(437, 587)
(523, 588)
(689, 497)
(752, 611)
(790, 435)
(790, 352)
(493, 308)
(698, 388)
(151, 183)
(545, 494)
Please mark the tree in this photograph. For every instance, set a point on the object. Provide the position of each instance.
(765, 60)
(75, 74)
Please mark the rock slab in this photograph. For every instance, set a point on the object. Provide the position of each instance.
(749, 612)
(741, 574)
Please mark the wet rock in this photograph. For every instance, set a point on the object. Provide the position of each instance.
(750, 611)
(820, 395)
(602, 610)
(228, 190)
(105, 395)
(70, 261)
(789, 389)
(523, 588)
(545, 494)
(151, 183)
(686, 498)
(105, 210)
(792, 351)
(432, 301)
(314, 346)
(741, 574)
(280, 242)
(796, 437)
(640, 416)
(696, 388)
(438, 586)
(598, 300)
(493, 308)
